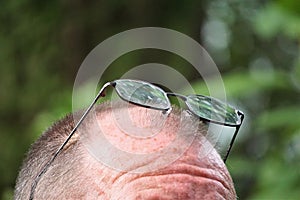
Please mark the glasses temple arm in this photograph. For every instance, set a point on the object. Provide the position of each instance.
(234, 136)
(45, 168)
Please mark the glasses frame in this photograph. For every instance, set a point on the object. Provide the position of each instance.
(101, 93)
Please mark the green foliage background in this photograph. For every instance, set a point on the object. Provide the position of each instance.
(254, 43)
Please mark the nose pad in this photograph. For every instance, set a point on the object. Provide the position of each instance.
(167, 112)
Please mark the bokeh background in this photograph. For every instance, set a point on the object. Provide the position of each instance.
(255, 45)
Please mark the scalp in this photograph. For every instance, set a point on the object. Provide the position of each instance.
(76, 173)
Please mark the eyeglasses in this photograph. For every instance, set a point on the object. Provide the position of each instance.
(147, 95)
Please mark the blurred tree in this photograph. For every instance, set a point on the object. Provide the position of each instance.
(254, 44)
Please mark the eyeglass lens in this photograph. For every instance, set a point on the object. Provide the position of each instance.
(148, 95)
(142, 93)
(212, 109)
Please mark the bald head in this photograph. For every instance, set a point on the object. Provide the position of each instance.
(127, 152)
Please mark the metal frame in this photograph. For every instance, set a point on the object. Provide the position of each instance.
(101, 93)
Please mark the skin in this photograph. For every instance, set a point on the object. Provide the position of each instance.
(198, 172)
(188, 177)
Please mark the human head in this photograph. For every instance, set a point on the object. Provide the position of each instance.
(77, 174)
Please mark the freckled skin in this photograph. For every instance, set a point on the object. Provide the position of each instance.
(189, 177)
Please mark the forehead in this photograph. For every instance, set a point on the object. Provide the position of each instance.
(127, 124)
(120, 133)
